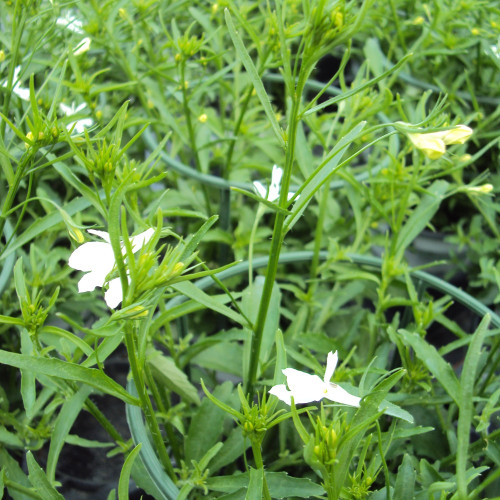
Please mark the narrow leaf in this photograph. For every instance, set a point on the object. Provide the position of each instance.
(254, 77)
(64, 421)
(39, 480)
(255, 484)
(189, 290)
(466, 405)
(440, 368)
(123, 483)
(166, 372)
(68, 371)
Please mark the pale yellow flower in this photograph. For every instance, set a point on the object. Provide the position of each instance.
(433, 144)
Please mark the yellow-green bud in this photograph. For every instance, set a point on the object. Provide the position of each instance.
(76, 234)
(248, 426)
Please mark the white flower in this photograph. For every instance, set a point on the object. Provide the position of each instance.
(274, 188)
(79, 125)
(71, 23)
(98, 259)
(21, 92)
(82, 47)
(306, 388)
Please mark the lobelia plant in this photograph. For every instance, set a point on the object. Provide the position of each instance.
(209, 301)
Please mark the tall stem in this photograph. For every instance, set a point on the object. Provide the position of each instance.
(192, 138)
(257, 455)
(146, 406)
(277, 241)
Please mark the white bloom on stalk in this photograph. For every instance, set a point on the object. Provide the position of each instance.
(98, 259)
(22, 92)
(306, 388)
(79, 125)
(274, 188)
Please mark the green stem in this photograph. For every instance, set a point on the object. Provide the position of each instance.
(257, 455)
(162, 404)
(11, 194)
(276, 243)
(21, 489)
(318, 238)
(146, 405)
(105, 423)
(258, 216)
(192, 139)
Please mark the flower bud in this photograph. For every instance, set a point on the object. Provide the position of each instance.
(484, 189)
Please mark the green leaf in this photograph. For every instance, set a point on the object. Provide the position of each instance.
(196, 238)
(166, 373)
(226, 357)
(466, 405)
(280, 484)
(39, 480)
(193, 292)
(405, 481)
(440, 368)
(321, 175)
(254, 77)
(123, 483)
(395, 411)
(68, 371)
(9, 439)
(368, 84)
(28, 382)
(233, 447)
(280, 365)
(148, 472)
(15, 474)
(64, 421)
(250, 302)
(11, 321)
(364, 417)
(41, 225)
(88, 193)
(255, 484)
(207, 423)
(419, 219)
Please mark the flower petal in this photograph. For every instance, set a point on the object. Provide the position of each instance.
(274, 189)
(331, 364)
(304, 387)
(114, 295)
(281, 392)
(430, 144)
(93, 256)
(339, 395)
(102, 234)
(141, 239)
(90, 281)
(260, 189)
